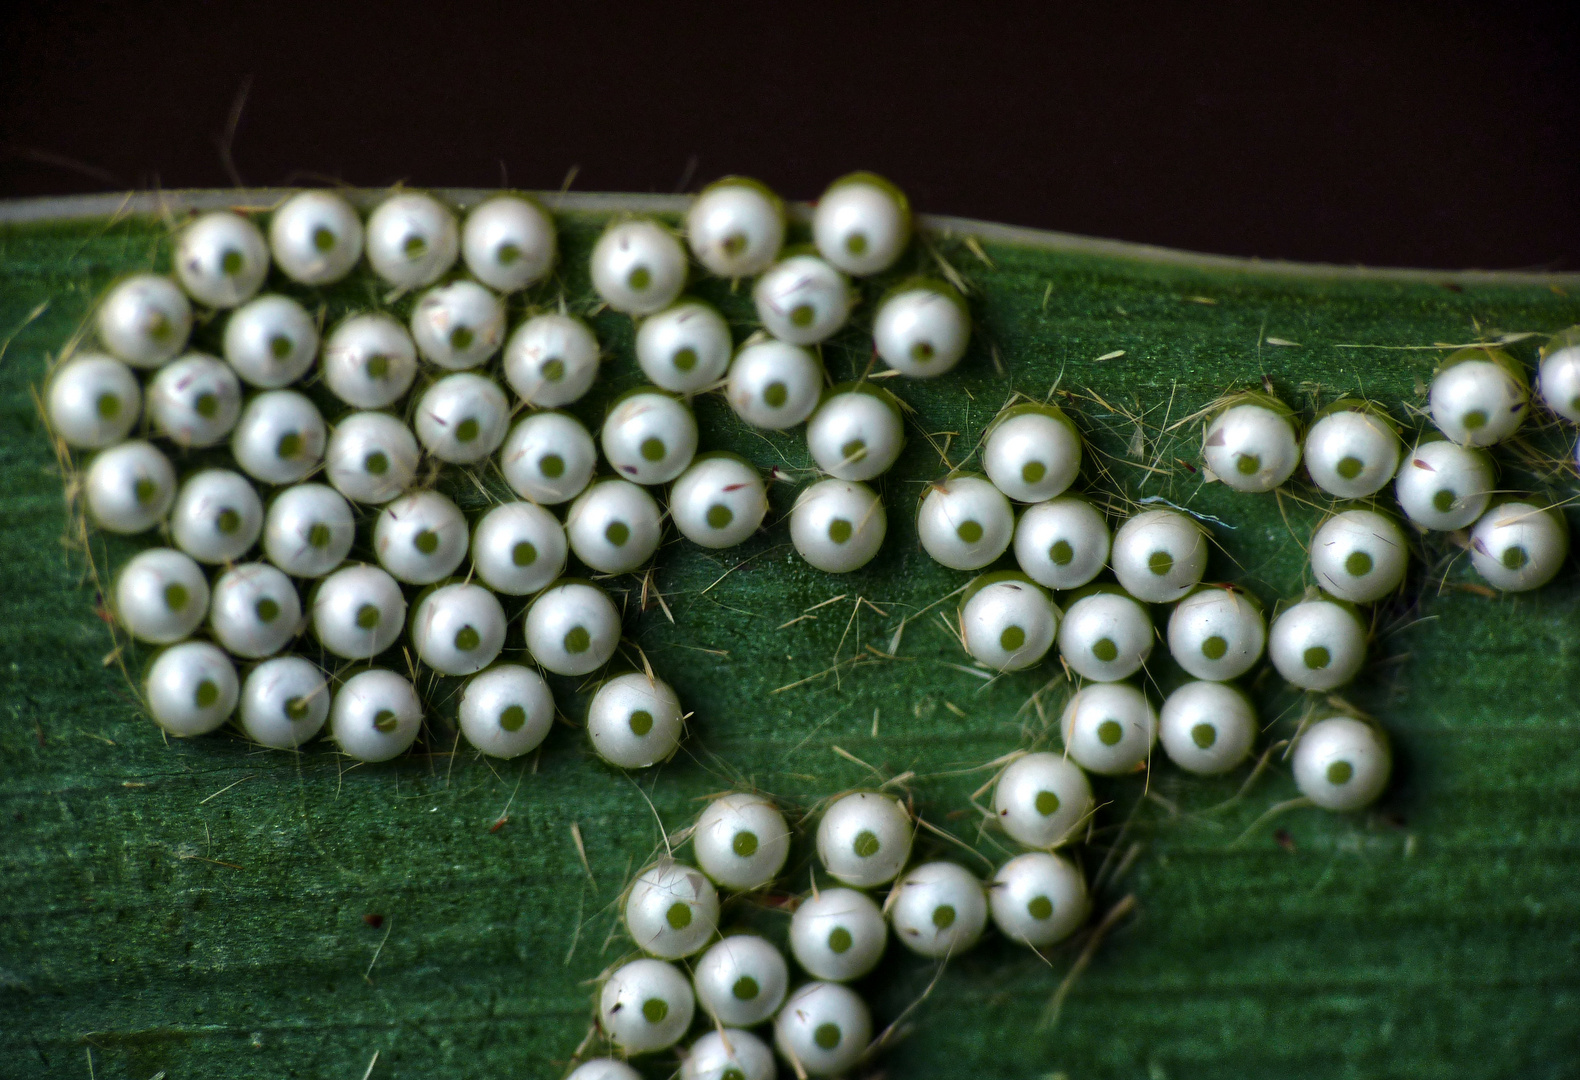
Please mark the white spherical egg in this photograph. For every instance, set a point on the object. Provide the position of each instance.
(1444, 486)
(420, 538)
(864, 839)
(741, 841)
(823, 1027)
(922, 331)
(719, 501)
(1359, 556)
(729, 1055)
(518, 548)
(1475, 399)
(649, 437)
(93, 401)
(255, 611)
(638, 266)
(1106, 636)
(221, 259)
(838, 935)
(506, 711)
(1062, 543)
(1519, 545)
(838, 525)
(459, 325)
(1207, 728)
(412, 240)
(358, 612)
(736, 227)
(458, 629)
(939, 909)
(284, 702)
(462, 418)
(685, 348)
(1317, 644)
(1008, 623)
(1217, 632)
(145, 320)
(1042, 799)
(741, 980)
(370, 361)
(1032, 453)
(646, 1005)
(856, 433)
(1038, 899)
(194, 401)
(551, 360)
(1109, 728)
(604, 1069)
(572, 628)
(1559, 376)
(316, 237)
(802, 300)
(774, 385)
(129, 487)
(375, 716)
(965, 522)
(1252, 447)
(308, 530)
(614, 526)
(1159, 555)
(634, 721)
(217, 516)
(191, 689)
(1341, 763)
(371, 457)
(161, 596)
(509, 243)
(271, 341)
(862, 223)
(1352, 452)
(548, 457)
(280, 437)
(671, 910)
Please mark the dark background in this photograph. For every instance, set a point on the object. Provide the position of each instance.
(1427, 134)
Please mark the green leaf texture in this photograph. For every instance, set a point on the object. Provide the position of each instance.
(204, 909)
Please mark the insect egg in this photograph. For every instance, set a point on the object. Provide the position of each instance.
(774, 385)
(370, 361)
(371, 457)
(1007, 622)
(420, 538)
(572, 628)
(671, 910)
(864, 839)
(375, 716)
(802, 300)
(129, 487)
(1359, 556)
(1341, 763)
(1159, 555)
(736, 227)
(518, 548)
(458, 629)
(938, 909)
(548, 458)
(1317, 644)
(458, 326)
(1217, 632)
(221, 259)
(634, 721)
(255, 611)
(412, 240)
(1351, 451)
(462, 418)
(862, 223)
(506, 711)
(1038, 899)
(145, 320)
(649, 437)
(741, 841)
(838, 525)
(1041, 799)
(741, 980)
(551, 360)
(217, 516)
(1443, 485)
(191, 688)
(161, 596)
(965, 522)
(1032, 452)
(509, 242)
(838, 935)
(638, 267)
(1478, 397)
(280, 437)
(1251, 444)
(284, 702)
(1109, 728)
(270, 341)
(614, 526)
(856, 433)
(194, 401)
(824, 1027)
(922, 329)
(685, 348)
(718, 502)
(94, 401)
(316, 237)
(1519, 545)
(646, 1005)
(1207, 727)
(1105, 636)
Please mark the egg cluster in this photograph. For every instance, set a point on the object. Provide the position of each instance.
(837, 934)
(261, 611)
(420, 396)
